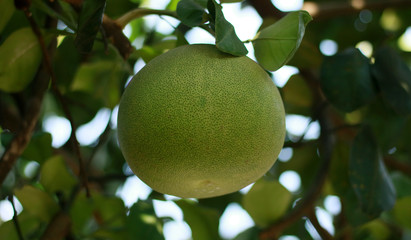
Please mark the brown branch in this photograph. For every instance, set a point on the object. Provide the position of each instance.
(327, 10)
(394, 164)
(48, 65)
(266, 9)
(30, 118)
(324, 234)
(58, 228)
(115, 34)
(326, 146)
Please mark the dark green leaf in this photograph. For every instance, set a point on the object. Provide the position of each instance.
(393, 78)
(202, 221)
(39, 148)
(142, 223)
(346, 80)
(66, 17)
(7, 8)
(368, 175)
(226, 38)
(116, 8)
(90, 19)
(20, 57)
(190, 12)
(66, 61)
(248, 234)
(276, 44)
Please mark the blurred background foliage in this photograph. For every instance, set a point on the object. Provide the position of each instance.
(345, 175)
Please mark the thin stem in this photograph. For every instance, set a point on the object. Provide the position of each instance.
(15, 218)
(57, 92)
(141, 12)
(324, 234)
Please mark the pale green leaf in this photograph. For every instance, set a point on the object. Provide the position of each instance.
(37, 202)
(276, 44)
(55, 177)
(266, 202)
(20, 56)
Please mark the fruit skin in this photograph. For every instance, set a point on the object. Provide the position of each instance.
(198, 123)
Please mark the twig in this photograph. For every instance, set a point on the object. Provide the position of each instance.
(324, 234)
(47, 63)
(266, 9)
(15, 218)
(327, 10)
(30, 118)
(101, 140)
(141, 12)
(58, 228)
(305, 205)
(392, 163)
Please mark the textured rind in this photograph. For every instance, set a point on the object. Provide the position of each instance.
(196, 122)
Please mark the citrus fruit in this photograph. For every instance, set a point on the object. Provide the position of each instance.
(196, 122)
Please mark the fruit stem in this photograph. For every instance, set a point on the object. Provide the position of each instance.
(141, 12)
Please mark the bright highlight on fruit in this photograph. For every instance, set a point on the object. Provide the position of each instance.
(196, 122)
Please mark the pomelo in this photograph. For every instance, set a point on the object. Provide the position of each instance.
(196, 122)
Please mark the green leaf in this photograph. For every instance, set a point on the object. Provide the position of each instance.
(39, 147)
(66, 61)
(90, 19)
(266, 202)
(100, 212)
(368, 175)
(190, 12)
(297, 96)
(55, 177)
(226, 38)
(7, 8)
(393, 78)
(248, 234)
(346, 80)
(37, 202)
(102, 79)
(231, 1)
(20, 57)
(402, 212)
(202, 221)
(142, 223)
(30, 227)
(67, 17)
(276, 44)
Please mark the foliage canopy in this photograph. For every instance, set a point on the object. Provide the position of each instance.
(71, 59)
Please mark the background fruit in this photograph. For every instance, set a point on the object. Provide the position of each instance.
(196, 122)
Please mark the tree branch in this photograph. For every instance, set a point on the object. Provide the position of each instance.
(266, 9)
(30, 118)
(326, 146)
(141, 12)
(324, 234)
(327, 10)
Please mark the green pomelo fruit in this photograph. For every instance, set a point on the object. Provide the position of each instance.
(196, 122)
